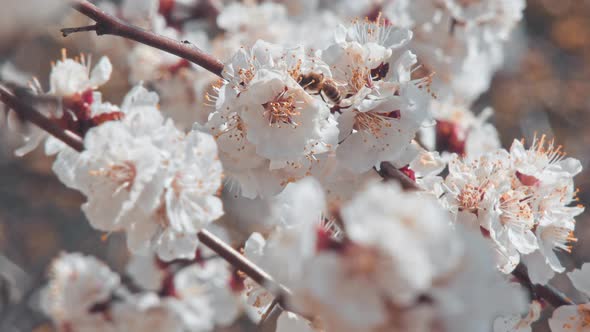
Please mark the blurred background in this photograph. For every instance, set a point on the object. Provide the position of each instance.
(544, 88)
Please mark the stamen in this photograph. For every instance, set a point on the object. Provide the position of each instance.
(121, 174)
(282, 110)
(374, 122)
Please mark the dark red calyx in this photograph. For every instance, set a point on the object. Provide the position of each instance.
(526, 180)
(326, 241)
(450, 137)
(408, 172)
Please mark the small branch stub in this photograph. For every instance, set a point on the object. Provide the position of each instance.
(68, 31)
(107, 24)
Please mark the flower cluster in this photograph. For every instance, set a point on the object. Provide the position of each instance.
(460, 41)
(383, 268)
(85, 295)
(521, 199)
(73, 83)
(282, 111)
(139, 172)
(283, 153)
(159, 184)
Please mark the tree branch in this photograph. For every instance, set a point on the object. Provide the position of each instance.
(548, 293)
(268, 322)
(234, 258)
(27, 112)
(107, 24)
(229, 254)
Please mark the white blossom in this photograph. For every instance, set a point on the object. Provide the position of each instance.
(145, 312)
(69, 76)
(269, 129)
(460, 41)
(573, 317)
(297, 212)
(206, 300)
(77, 283)
(383, 108)
(394, 258)
(159, 184)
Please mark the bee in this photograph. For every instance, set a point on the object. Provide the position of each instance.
(317, 83)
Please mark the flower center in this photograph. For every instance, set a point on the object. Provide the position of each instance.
(245, 75)
(469, 198)
(282, 110)
(374, 122)
(123, 175)
(234, 127)
(515, 208)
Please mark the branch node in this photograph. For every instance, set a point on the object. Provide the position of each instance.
(68, 31)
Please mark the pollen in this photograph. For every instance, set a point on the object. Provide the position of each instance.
(584, 315)
(516, 210)
(123, 175)
(374, 122)
(470, 197)
(245, 75)
(282, 110)
(545, 148)
(561, 237)
(234, 129)
(359, 78)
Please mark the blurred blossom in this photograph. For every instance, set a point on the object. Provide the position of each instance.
(20, 18)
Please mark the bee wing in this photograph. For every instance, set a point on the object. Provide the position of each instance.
(339, 82)
(344, 103)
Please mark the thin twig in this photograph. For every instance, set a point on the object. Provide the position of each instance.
(389, 172)
(107, 24)
(67, 31)
(234, 258)
(268, 322)
(548, 293)
(27, 112)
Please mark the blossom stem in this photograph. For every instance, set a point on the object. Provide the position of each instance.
(234, 258)
(107, 24)
(268, 322)
(29, 113)
(548, 293)
(389, 172)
